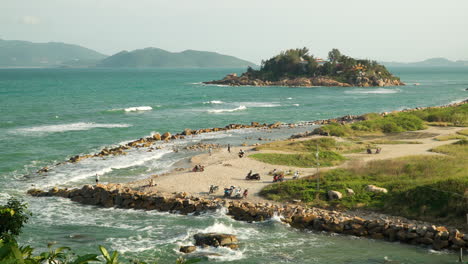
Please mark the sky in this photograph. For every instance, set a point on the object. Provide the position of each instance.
(392, 30)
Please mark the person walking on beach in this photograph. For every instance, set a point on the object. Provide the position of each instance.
(210, 150)
(97, 178)
(229, 148)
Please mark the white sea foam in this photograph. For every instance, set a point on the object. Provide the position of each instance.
(260, 104)
(289, 98)
(138, 108)
(373, 91)
(214, 102)
(458, 101)
(88, 168)
(296, 104)
(240, 108)
(67, 127)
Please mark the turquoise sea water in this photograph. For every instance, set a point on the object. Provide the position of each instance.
(48, 115)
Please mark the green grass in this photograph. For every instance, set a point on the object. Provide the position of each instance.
(449, 137)
(393, 142)
(308, 146)
(463, 132)
(399, 122)
(422, 187)
(327, 159)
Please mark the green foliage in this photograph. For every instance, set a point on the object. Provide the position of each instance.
(455, 115)
(326, 159)
(295, 63)
(13, 216)
(110, 259)
(373, 124)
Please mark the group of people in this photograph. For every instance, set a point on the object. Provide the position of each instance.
(235, 192)
(198, 168)
(278, 176)
(377, 150)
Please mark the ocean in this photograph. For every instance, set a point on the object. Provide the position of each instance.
(49, 115)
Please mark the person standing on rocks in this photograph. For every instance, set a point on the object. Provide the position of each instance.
(97, 178)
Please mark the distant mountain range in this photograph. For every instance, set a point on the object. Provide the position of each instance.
(434, 62)
(158, 58)
(14, 53)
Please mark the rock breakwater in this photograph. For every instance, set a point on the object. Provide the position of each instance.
(298, 216)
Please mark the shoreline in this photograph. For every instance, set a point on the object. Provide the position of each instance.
(167, 136)
(137, 195)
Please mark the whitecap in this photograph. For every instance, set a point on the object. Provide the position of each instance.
(240, 108)
(214, 102)
(260, 104)
(67, 127)
(296, 104)
(138, 108)
(373, 91)
(289, 98)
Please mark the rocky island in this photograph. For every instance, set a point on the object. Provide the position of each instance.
(295, 67)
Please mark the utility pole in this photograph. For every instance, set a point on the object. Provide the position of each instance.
(318, 172)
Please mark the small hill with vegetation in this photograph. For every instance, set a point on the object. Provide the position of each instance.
(16, 53)
(296, 67)
(159, 58)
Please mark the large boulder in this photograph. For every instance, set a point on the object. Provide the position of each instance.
(187, 249)
(157, 136)
(166, 136)
(334, 195)
(375, 189)
(215, 240)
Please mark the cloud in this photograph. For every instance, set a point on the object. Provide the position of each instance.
(30, 20)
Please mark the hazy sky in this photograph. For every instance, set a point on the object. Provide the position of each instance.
(391, 30)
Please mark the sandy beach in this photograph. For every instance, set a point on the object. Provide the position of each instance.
(226, 169)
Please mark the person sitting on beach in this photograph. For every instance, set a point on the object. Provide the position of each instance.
(195, 169)
(377, 151)
(369, 151)
(241, 153)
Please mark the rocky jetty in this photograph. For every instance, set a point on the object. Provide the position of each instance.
(388, 228)
(245, 80)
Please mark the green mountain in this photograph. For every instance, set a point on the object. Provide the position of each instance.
(433, 62)
(158, 58)
(16, 53)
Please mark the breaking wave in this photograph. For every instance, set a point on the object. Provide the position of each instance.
(67, 127)
(214, 102)
(138, 108)
(240, 108)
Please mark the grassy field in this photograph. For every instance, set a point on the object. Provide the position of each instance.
(308, 146)
(450, 137)
(393, 142)
(327, 159)
(399, 122)
(431, 188)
